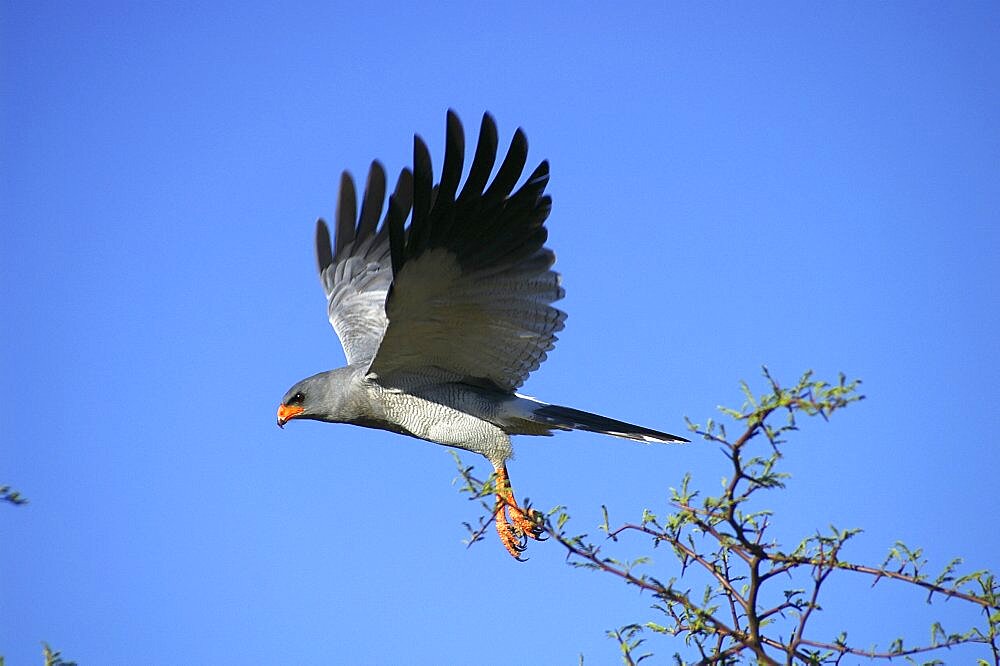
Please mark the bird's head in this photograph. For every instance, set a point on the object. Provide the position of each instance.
(319, 397)
(292, 405)
(303, 401)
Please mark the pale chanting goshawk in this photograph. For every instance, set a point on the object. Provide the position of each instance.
(443, 320)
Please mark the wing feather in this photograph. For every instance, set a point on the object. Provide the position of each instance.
(472, 281)
(357, 275)
(347, 212)
(371, 208)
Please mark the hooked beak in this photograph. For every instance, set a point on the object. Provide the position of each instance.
(286, 414)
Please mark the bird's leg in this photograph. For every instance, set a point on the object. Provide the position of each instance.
(525, 524)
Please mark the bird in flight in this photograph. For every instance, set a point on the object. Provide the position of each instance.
(443, 320)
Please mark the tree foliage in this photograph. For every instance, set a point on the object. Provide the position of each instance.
(51, 657)
(734, 594)
(54, 657)
(11, 496)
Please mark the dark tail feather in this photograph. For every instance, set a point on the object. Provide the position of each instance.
(567, 418)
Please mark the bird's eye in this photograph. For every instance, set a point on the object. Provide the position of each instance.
(297, 399)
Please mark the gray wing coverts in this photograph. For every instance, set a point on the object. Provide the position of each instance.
(471, 287)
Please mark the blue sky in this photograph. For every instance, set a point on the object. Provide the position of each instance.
(797, 185)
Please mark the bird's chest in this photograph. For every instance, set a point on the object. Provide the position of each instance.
(441, 415)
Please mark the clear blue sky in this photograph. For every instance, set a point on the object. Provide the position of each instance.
(806, 186)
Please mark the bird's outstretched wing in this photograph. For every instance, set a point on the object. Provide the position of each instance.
(356, 272)
(472, 283)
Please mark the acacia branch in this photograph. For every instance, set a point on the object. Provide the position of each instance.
(791, 561)
(891, 654)
(738, 532)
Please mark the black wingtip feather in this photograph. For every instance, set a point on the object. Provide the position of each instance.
(454, 157)
(539, 175)
(510, 169)
(483, 161)
(374, 199)
(423, 186)
(404, 201)
(347, 212)
(324, 252)
(404, 191)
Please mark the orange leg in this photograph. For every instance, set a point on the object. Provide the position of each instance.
(525, 524)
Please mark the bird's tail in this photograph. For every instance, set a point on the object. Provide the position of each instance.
(567, 418)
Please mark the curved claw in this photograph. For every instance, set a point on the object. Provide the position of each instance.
(528, 521)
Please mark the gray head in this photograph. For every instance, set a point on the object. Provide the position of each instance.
(321, 397)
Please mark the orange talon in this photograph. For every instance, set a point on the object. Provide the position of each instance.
(514, 536)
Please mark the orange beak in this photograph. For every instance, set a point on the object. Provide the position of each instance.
(286, 414)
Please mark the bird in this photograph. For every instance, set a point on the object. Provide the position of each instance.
(442, 320)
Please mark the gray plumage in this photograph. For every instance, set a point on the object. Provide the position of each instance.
(443, 320)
